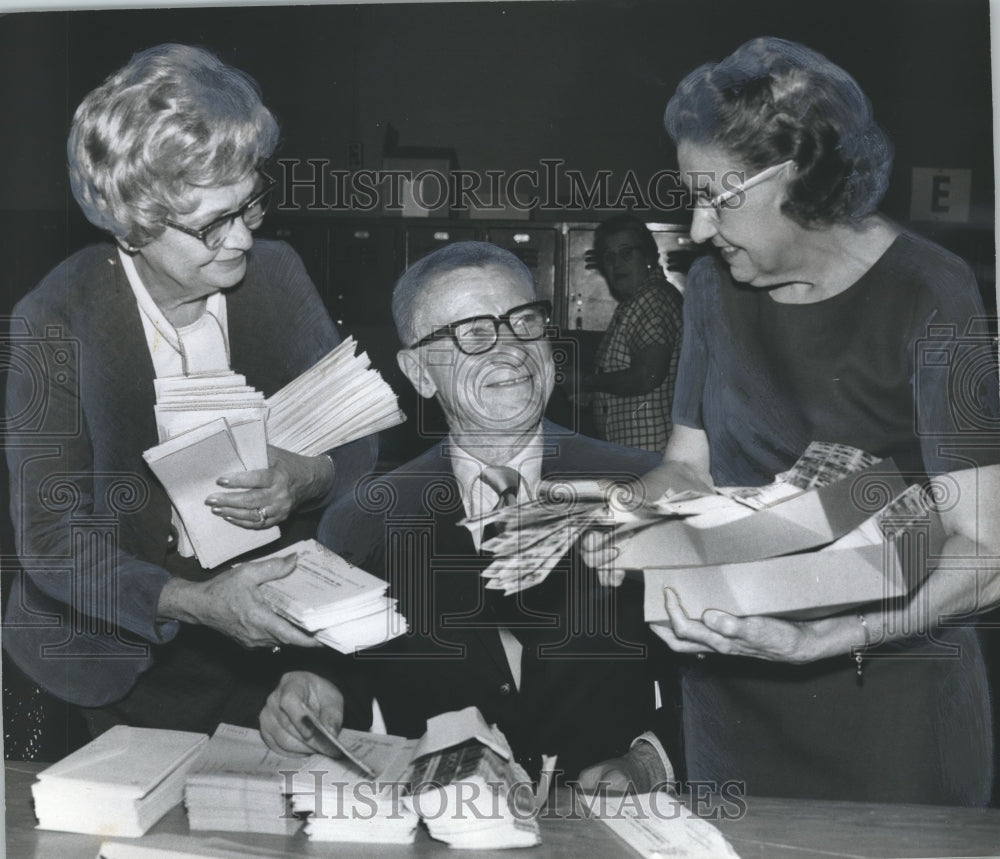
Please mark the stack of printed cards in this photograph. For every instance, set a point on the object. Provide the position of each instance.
(118, 784)
(342, 605)
(471, 793)
(239, 785)
(339, 399)
(188, 466)
(340, 806)
(459, 778)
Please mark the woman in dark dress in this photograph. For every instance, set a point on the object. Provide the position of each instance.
(816, 318)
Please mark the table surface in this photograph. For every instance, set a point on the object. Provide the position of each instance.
(769, 829)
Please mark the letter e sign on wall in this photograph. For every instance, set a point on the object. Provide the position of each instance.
(940, 194)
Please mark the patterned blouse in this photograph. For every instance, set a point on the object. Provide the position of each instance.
(652, 316)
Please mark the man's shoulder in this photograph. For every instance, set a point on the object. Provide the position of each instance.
(412, 489)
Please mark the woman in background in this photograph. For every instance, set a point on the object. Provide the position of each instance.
(636, 364)
(165, 156)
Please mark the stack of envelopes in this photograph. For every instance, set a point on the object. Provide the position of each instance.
(119, 784)
(342, 805)
(342, 605)
(337, 400)
(472, 794)
(239, 785)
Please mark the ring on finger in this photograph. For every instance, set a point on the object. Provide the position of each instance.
(261, 515)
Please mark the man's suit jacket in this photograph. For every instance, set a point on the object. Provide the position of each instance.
(93, 525)
(586, 687)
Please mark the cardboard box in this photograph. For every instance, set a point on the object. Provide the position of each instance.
(815, 518)
(803, 585)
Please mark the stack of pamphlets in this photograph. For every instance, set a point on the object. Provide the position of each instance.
(211, 424)
(471, 793)
(119, 784)
(341, 807)
(188, 466)
(340, 399)
(459, 778)
(239, 785)
(342, 605)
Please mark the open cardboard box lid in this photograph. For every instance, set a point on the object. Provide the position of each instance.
(806, 521)
(803, 585)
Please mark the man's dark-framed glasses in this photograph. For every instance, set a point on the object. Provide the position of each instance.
(479, 334)
(252, 212)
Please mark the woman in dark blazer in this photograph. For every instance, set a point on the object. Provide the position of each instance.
(110, 612)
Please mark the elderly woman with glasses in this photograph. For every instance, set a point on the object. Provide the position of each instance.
(636, 363)
(808, 323)
(111, 613)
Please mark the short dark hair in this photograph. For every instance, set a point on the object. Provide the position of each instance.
(409, 288)
(773, 100)
(635, 228)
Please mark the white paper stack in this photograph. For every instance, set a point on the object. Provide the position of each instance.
(188, 466)
(472, 794)
(460, 764)
(345, 808)
(209, 424)
(119, 784)
(662, 826)
(339, 399)
(187, 402)
(239, 785)
(342, 605)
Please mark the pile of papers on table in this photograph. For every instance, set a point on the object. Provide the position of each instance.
(656, 826)
(238, 784)
(459, 763)
(342, 605)
(341, 806)
(472, 793)
(119, 784)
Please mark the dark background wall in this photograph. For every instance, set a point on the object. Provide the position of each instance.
(503, 85)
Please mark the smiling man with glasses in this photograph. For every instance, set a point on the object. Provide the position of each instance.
(476, 339)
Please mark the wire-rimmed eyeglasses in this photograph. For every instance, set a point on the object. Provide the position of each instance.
(478, 334)
(733, 197)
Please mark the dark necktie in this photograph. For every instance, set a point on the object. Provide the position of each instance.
(504, 481)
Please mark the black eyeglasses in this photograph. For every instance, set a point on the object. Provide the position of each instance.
(479, 334)
(252, 212)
